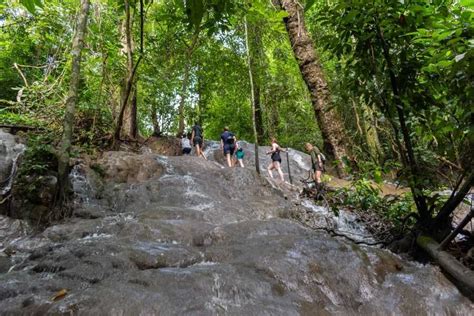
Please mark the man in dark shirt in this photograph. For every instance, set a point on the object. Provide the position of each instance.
(197, 138)
(228, 141)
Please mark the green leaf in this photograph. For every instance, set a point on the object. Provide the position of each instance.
(467, 3)
(195, 12)
(309, 4)
(29, 5)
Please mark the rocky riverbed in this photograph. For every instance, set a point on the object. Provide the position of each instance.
(180, 235)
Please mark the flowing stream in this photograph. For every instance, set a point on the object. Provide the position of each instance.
(10, 153)
(183, 236)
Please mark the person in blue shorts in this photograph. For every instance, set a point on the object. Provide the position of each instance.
(228, 141)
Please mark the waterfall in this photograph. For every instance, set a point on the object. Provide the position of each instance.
(6, 184)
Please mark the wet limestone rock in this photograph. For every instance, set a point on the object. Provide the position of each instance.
(164, 145)
(126, 167)
(193, 238)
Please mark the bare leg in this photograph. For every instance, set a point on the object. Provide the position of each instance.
(278, 168)
(269, 169)
(229, 162)
(241, 163)
(199, 152)
(318, 176)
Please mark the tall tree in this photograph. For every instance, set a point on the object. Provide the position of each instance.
(71, 102)
(187, 68)
(252, 94)
(128, 106)
(256, 50)
(310, 67)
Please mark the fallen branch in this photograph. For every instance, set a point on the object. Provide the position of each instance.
(21, 74)
(463, 277)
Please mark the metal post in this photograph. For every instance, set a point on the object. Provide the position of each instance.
(288, 161)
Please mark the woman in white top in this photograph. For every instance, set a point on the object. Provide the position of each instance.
(186, 144)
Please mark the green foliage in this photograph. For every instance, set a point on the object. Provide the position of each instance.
(429, 61)
(309, 4)
(39, 156)
(32, 4)
(399, 210)
(430, 45)
(363, 195)
(11, 118)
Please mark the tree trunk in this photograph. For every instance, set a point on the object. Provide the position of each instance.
(182, 101)
(252, 96)
(154, 121)
(129, 82)
(328, 120)
(258, 113)
(202, 100)
(64, 152)
(409, 155)
(184, 87)
(455, 199)
(133, 130)
(463, 277)
(257, 54)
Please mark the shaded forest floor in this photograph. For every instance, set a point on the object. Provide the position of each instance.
(386, 188)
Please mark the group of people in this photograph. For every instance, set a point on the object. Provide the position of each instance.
(230, 146)
(196, 139)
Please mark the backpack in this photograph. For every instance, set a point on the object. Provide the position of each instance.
(197, 131)
(323, 158)
(230, 138)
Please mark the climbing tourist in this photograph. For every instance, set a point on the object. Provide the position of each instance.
(228, 141)
(197, 138)
(186, 144)
(239, 154)
(317, 161)
(276, 159)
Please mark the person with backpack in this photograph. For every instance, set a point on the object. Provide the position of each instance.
(197, 138)
(186, 144)
(317, 161)
(276, 159)
(239, 154)
(228, 141)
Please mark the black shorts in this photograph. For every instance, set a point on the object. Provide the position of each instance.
(197, 141)
(229, 149)
(276, 157)
(187, 151)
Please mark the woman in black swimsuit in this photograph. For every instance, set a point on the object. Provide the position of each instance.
(276, 159)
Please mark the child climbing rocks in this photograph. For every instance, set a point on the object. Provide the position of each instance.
(240, 156)
(186, 144)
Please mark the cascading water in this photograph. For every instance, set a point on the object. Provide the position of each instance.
(80, 185)
(10, 154)
(194, 238)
